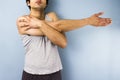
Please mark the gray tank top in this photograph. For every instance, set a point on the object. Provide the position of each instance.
(41, 55)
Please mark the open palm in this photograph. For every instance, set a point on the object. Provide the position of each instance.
(95, 20)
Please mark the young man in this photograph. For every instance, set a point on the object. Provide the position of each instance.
(41, 34)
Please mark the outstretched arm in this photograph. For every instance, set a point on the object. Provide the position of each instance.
(68, 25)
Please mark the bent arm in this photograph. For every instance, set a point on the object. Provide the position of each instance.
(56, 37)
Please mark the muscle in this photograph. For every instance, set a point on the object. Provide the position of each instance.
(69, 25)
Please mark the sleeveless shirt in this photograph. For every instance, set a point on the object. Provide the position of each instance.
(41, 55)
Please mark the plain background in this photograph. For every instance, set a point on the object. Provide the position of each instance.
(92, 53)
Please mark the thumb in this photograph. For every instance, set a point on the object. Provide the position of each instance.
(99, 14)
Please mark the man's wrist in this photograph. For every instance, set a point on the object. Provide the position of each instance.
(40, 23)
(87, 21)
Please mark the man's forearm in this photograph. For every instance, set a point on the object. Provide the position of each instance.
(68, 25)
(55, 36)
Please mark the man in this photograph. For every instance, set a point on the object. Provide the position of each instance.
(41, 34)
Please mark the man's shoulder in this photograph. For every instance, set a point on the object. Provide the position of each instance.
(51, 13)
(53, 16)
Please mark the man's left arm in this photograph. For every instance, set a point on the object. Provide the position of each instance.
(69, 25)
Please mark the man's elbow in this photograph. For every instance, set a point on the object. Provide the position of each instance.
(64, 44)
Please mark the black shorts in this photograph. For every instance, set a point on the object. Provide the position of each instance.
(53, 76)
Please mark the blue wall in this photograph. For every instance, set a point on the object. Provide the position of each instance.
(92, 53)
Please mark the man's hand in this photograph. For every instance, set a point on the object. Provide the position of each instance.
(30, 22)
(28, 26)
(95, 20)
(34, 22)
(23, 22)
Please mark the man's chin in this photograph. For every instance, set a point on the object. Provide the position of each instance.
(39, 7)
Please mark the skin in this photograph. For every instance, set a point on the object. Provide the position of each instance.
(37, 13)
(35, 25)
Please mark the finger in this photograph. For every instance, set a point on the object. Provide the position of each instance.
(108, 20)
(26, 28)
(28, 18)
(23, 24)
(34, 28)
(104, 23)
(99, 14)
(23, 20)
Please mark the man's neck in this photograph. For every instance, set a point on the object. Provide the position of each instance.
(37, 13)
